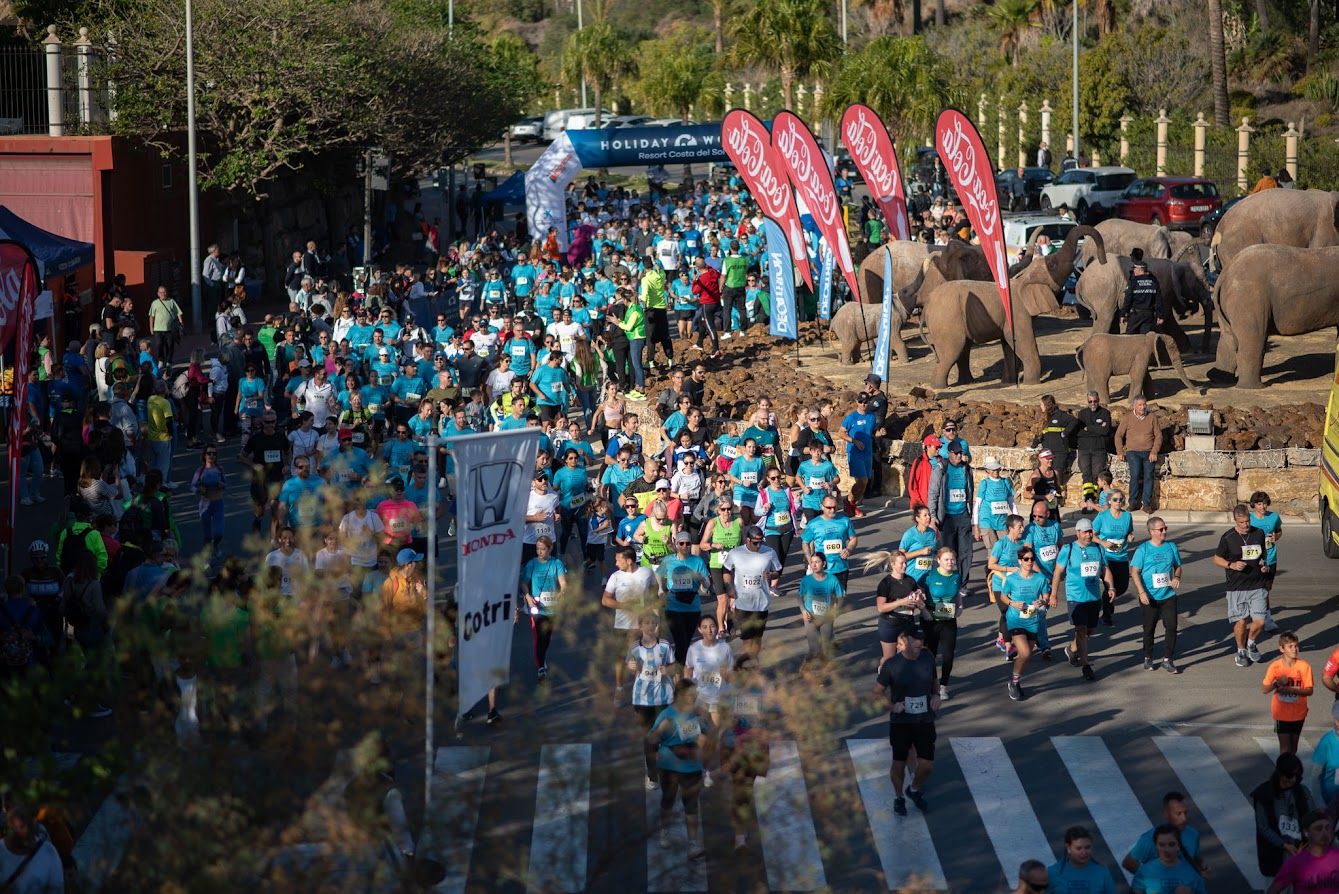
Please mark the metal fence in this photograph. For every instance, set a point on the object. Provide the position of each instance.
(24, 92)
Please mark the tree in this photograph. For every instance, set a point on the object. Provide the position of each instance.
(718, 11)
(1012, 20)
(1218, 63)
(794, 37)
(514, 56)
(675, 74)
(599, 54)
(901, 78)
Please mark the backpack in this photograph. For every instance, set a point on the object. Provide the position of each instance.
(75, 546)
(179, 385)
(16, 650)
(69, 435)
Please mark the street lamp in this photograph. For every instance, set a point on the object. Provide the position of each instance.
(580, 25)
(843, 21)
(1075, 95)
(193, 196)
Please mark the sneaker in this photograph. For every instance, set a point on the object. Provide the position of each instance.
(669, 364)
(725, 336)
(100, 711)
(1071, 656)
(25, 502)
(664, 836)
(1088, 673)
(918, 798)
(1149, 665)
(1015, 691)
(1242, 660)
(651, 784)
(1046, 655)
(1170, 666)
(493, 717)
(543, 671)
(635, 395)
(1011, 654)
(1253, 653)
(707, 781)
(943, 692)
(900, 806)
(451, 529)
(1001, 644)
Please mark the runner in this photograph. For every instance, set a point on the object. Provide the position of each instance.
(1077, 872)
(951, 502)
(680, 737)
(816, 478)
(1025, 595)
(541, 516)
(1289, 679)
(1002, 561)
(628, 592)
(266, 452)
(944, 587)
(907, 681)
(1271, 526)
(1112, 529)
(751, 573)
(776, 507)
(654, 534)
(820, 604)
(1176, 816)
(745, 750)
(720, 535)
(1082, 566)
(708, 665)
(1169, 872)
(1045, 534)
(1156, 572)
(920, 543)
(744, 474)
(834, 536)
(683, 578)
(1241, 554)
(996, 494)
(1045, 483)
(543, 582)
(1314, 868)
(650, 659)
(1281, 803)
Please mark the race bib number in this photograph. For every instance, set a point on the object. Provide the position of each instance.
(750, 582)
(359, 437)
(548, 598)
(957, 495)
(543, 529)
(816, 483)
(253, 403)
(1288, 698)
(1048, 553)
(730, 452)
(1289, 827)
(780, 518)
(999, 507)
(820, 608)
(1161, 580)
(398, 525)
(1251, 552)
(1089, 569)
(748, 479)
(579, 500)
(924, 563)
(689, 730)
(649, 672)
(1027, 611)
(412, 397)
(748, 705)
(374, 408)
(945, 611)
(915, 704)
(832, 547)
(712, 679)
(522, 281)
(682, 581)
(272, 456)
(518, 350)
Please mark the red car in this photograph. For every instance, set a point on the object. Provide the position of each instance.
(1178, 203)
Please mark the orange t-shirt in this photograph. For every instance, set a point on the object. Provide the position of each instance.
(1289, 707)
(1332, 664)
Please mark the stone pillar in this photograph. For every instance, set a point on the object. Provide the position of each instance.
(1160, 168)
(819, 124)
(1290, 138)
(1201, 128)
(1022, 135)
(1046, 121)
(729, 93)
(999, 116)
(748, 95)
(1124, 137)
(88, 108)
(981, 112)
(1097, 157)
(55, 83)
(1243, 152)
(800, 93)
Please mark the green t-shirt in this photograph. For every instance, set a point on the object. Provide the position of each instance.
(874, 230)
(634, 323)
(162, 314)
(734, 271)
(265, 335)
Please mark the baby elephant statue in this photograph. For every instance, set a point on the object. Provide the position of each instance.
(856, 325)
(1103, 356)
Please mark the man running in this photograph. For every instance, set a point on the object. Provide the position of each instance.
(751, 574)
(907, 680)
(1241, 555)
(1082, 565)
(1155, 571)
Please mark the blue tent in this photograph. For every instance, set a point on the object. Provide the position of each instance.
(55, 255)
(510, 191)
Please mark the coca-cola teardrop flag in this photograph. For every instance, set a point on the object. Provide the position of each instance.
(808, 171)
(18, 292)
(967, 163)
(875, 157)
(749, 144)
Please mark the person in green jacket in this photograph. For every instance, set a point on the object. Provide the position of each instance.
(655, 298)
(633, 325)
(734, 274)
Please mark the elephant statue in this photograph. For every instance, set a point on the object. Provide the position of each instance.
(1121, 236)
(856, 324)
(1103, 355)
(956, 260)
(908, 257)
(1273, 289)
(1101, 289)
(963, 313)
(1302, 218)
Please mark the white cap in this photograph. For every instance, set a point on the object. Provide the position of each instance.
(662, 484)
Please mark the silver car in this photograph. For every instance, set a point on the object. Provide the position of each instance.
(528, 130)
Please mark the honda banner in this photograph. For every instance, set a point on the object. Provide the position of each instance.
(18, 300)
(749, 145)
(546, 189)
(781, 280)
(885, 337)
(825, 266)
(967, 163)
(493, 473)
(809, 174)
(875, 157)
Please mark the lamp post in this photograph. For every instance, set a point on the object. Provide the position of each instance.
(1074, 98)
(843, 21)
(193, 196)
(581, 25)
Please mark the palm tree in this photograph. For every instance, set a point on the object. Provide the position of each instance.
(795, 37)
(600, 55)
(1012, 20)
(674, 77)
(1218, 63)
(901, 78)
(718, 10)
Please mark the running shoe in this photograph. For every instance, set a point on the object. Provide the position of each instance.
(1046, 655)
(1001, 644)
(1071, 656)
(38, 498)
(1015, 690)
(1253, 653)
(1170, 666)
(493, 717)
(1242, 660)
(943, 692)
(900, 806)
(741, 843)
(25, 502)
(917, 798)
(652, 785)
(100, 711)
(1088, 673)
(1149, 665)
(635, 395)
(707, 781)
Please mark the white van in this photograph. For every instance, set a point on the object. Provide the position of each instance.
(585, 119)
(556, 122)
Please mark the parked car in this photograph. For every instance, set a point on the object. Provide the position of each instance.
(1209, 222)
(585, 119)
(1089, 192)
(630, 121)
(1034, 180)
(556, 121)
(664, 122)
(528, 130)
(1019, 229)
(1178, 203)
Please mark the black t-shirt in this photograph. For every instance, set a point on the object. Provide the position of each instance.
(471, 370)
(912, 683)
(260, 444)
(893, 589)
(878, 405)
(1248, 547)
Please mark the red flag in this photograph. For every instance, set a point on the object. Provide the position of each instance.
(969, 169)
(746, 140)
(809, 174)
(18, 301)
(874, 155)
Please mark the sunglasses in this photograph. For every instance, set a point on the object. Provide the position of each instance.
(1042, 517)
(829, 506)
(1026, 559)
(1158, 530)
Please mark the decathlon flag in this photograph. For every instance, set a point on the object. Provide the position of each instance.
(18, 303)
(969, 170)
(884, 340)
(781, 279)
(825, 264)
(546, 189)
(493, 473)
(875, 157)
(809, 174)
(746, 140)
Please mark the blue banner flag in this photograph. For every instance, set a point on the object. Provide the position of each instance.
(826, 263)
(885, 319)
(781, 279)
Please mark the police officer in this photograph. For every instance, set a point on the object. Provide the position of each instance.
(1145, 307)
(877, 404)
(1094, 443)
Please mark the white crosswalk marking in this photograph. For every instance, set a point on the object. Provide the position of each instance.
(668, 868)
(1114, 807)
(562, 820)
(448, 833)
(1270, 746)
(1218, 799)
(103, 844)
(1003, 804)
(906, 852)
(789, 839)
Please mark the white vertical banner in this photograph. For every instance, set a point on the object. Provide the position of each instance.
(546, 189)
(493, 473)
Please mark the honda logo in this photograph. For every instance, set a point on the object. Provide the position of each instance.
(491, 491)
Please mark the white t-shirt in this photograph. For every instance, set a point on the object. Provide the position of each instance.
(752, 591)
(667, 251)
(304, 444)
(630, 586)
(499, 381)
(567, 337)
(709, 664)
(686, 485)
(546, 503)
(314, 400)
(359, 535)
(291, 566)
(333, 560)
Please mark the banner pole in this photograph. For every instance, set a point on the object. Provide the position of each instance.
(429, 628)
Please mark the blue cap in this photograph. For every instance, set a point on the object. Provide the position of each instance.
(407, 556)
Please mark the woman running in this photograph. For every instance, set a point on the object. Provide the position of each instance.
(820, 603)
(899, 600)
(744, 474)
(679, 736)
(944, 587)
(776, 506)
(543, 580)
(1025, 598)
